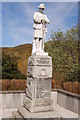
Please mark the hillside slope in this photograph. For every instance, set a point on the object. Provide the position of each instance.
(22, 52)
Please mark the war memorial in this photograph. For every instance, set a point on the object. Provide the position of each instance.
(39, 69)
(39, 101)
(39, 73)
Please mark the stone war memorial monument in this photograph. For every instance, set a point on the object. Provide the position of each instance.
(37, 102)
(39, 70)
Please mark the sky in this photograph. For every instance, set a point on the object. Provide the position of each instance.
(0, 23)
(17, 20)
(79, 13)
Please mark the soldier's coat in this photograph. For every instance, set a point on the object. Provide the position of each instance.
(38, 26)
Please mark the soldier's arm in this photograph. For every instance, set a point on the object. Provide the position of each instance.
(46, 19)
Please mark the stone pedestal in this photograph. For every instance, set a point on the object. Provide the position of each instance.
(38, 91)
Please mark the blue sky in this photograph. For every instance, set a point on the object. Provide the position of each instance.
(17, 20)
(79, 13)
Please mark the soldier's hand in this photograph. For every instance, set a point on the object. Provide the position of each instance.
(43, 21)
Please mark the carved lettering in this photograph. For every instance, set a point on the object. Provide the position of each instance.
(43, 61)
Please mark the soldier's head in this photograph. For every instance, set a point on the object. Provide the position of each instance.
(41, 7)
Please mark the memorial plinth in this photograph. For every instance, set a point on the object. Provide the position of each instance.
(38, 91)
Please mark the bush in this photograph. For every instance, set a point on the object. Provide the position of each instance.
(13, 84)
(63, 48)
(72, 87)
(10, 68)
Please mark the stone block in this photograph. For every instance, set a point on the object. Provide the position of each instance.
(38, 88)
(39, 60)
(39, 71)
(38, 105)
(16, 115)
(38, 115)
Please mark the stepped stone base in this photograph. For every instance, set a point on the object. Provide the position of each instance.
(25, 114)
(38, 105)
(16, 115)
(37, 102)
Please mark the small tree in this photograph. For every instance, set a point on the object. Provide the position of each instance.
(63, 48)
(10, 68)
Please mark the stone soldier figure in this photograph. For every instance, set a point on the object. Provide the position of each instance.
(40, 29)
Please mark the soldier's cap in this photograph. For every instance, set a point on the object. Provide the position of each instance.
(41, 6)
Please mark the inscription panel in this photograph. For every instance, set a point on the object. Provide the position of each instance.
(38, 88)
(42, 88)
(43, 61)
(40, 60)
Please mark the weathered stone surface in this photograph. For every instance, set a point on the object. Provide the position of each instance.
(40, 53)
(49, 114)
(30, 88)
(38, 105)
(38, 88)
(40, 60)
(17, 115)
(39, 71)
(38, 91)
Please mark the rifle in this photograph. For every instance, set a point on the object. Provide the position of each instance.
(43, 33)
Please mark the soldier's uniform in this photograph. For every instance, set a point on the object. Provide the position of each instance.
(40, 29)
(38, 25)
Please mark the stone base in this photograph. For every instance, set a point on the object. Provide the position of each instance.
(40, 53)
(38, 87)
(38, 105)
(25, 114)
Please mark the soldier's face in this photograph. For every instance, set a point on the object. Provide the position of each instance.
(41, 10)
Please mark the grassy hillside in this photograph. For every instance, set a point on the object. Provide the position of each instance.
(22, 52)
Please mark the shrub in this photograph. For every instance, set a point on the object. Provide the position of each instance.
(10, 68)
(63, 48)
(13, 84)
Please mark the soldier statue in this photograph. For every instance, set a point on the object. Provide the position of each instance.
(40, 29)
